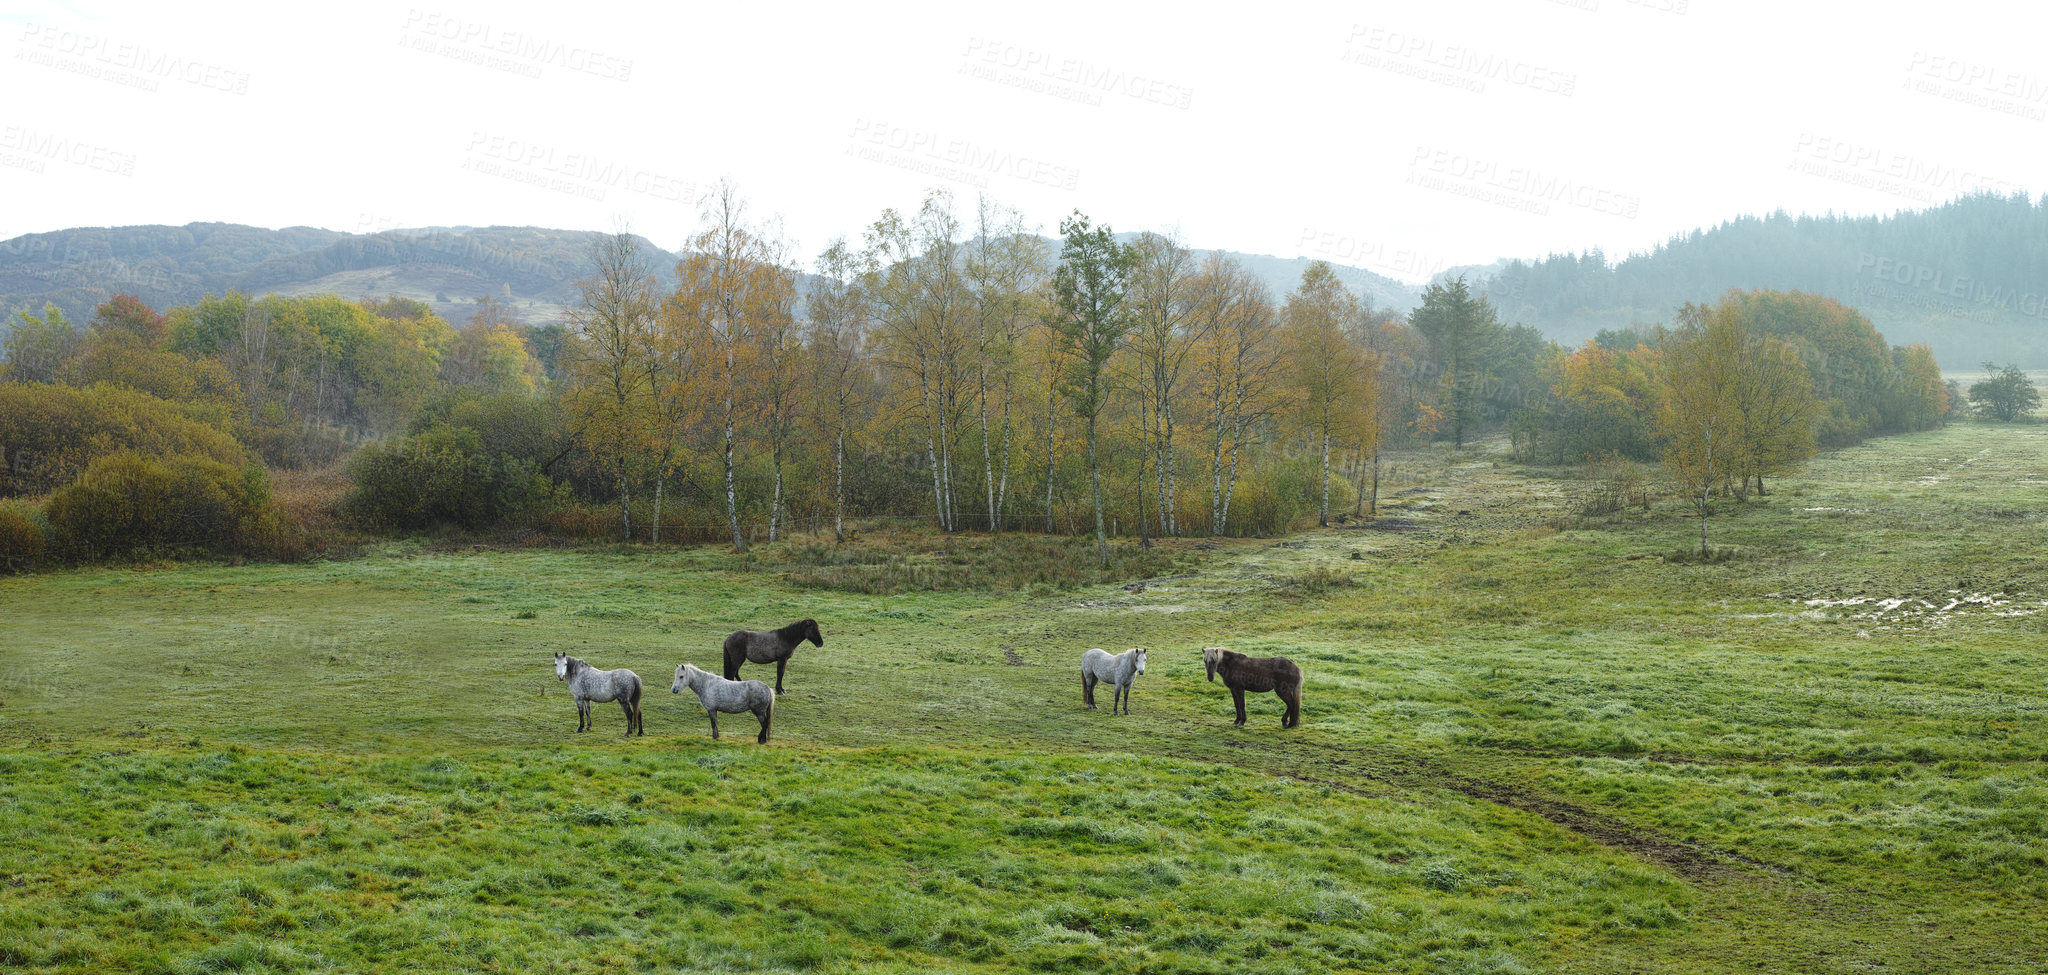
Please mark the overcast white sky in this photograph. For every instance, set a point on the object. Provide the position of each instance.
(1401, 137)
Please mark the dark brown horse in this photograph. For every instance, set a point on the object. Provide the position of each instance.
(1242, 673)
(768, 646)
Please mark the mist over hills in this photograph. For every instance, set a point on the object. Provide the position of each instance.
(1970, 277)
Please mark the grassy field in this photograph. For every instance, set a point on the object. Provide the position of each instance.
(1530, 744)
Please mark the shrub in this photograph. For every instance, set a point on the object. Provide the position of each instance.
(443, 476)
(1268, 502)
(49, 435)
(21, 541)
(1614, 483)
(127, 503)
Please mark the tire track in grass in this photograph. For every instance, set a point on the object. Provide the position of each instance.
(1691, 861)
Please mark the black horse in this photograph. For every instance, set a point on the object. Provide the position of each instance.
(1242, 673)
(768, 646)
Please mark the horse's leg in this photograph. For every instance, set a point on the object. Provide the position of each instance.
(713, 712)
(766, 715)
(627, 706)
(1237, 695)
(1088, 689)
(1124, 691)
(1293, 715)
(779, 664)
(582, 714)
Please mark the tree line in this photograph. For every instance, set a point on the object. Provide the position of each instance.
(954, 368)
(1965, 276)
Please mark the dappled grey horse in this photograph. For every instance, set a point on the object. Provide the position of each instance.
(1118, 669)
(768, 647)
(587, 684)
(731, 696)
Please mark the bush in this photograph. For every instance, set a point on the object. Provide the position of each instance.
(1615, 483)
(443, 476)
(130, 504)
(21, 541)
(518, 425)
(49, 435)
(1268, 502)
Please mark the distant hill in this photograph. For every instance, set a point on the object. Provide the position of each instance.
(1969, 278)
(532, 269)
(1283, 274)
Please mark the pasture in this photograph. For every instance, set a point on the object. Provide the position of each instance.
(1529, 743)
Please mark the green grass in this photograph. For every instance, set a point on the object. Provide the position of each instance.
(1523, 748)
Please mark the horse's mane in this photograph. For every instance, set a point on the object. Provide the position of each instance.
(796, 631)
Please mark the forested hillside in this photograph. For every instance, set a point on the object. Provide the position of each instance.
(531, 270)
(1969, 278)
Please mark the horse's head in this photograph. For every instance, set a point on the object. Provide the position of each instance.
(686, 676)
(562, 665)
(811, 633)
(1211, 656)
(1137, 660)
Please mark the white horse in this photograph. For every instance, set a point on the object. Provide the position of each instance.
(587, 684)
(1118, 669)
(731, 696)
